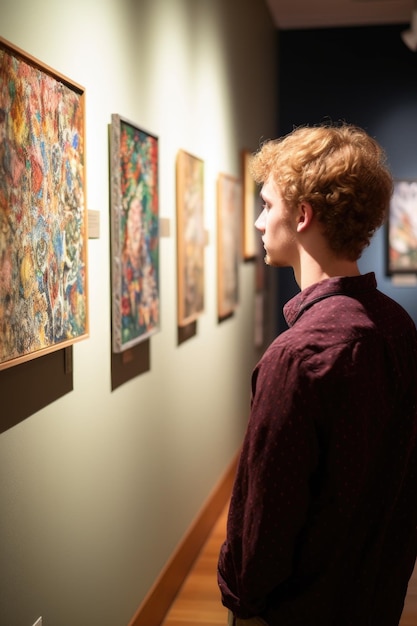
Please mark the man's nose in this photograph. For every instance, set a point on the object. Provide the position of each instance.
(260, 222)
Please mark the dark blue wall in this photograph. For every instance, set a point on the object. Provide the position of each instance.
(365, 76)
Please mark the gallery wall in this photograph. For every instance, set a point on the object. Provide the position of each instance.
(365, 76)
(98, 487)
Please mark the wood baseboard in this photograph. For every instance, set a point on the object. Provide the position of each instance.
(157, 602)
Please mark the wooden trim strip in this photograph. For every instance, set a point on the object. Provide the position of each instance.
(157, 602)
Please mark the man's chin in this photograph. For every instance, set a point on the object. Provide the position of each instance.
(269, 261)
(274, 263)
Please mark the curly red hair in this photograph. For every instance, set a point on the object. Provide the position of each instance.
(341, 171)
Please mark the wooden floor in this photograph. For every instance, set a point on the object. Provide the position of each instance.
(198, 601)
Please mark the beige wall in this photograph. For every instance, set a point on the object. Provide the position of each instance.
(97, 489)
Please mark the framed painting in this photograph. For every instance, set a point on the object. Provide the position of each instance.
(134, 233)
(43, 218)
(402, 229)
(229, 212)
(251, 209)
(191, 237)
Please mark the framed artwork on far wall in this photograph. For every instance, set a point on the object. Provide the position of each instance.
(191, 237)
(134, 233)
(43, 217)
(402, 229)
(251, 209)
(229, 230)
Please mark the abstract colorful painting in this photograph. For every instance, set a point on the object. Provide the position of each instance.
(229, 229)
(402, 228)
(134, 232)
(43, 222)
(191, 237)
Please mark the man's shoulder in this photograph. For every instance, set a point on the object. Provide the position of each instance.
(287, 346)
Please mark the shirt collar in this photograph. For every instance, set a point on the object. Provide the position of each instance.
(339, 285)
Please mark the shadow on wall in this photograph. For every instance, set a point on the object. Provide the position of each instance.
(30, 386)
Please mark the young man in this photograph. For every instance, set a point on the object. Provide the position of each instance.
(322, 528)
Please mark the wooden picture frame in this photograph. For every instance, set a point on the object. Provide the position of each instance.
(134, 233)
(251, 209)
(191, 237)
(43, 217)
(229, 233)
(402, 229)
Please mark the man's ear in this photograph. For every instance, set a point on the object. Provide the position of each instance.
(305, 216)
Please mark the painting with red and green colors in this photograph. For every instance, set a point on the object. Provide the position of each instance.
(134, 233)
(43, 225)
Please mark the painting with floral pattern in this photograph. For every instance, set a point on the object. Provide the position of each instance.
(402, 229)
(134, 233)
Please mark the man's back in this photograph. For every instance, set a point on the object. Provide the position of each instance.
(341, 417)
(362, 356)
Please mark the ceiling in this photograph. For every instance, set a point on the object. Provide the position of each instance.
(290, 14)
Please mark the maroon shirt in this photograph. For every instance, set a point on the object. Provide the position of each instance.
(322, 528)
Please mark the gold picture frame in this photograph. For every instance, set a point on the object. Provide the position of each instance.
(251, 209)
(191, 237)
(229, 220)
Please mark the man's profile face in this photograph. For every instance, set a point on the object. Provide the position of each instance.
(277, 227)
